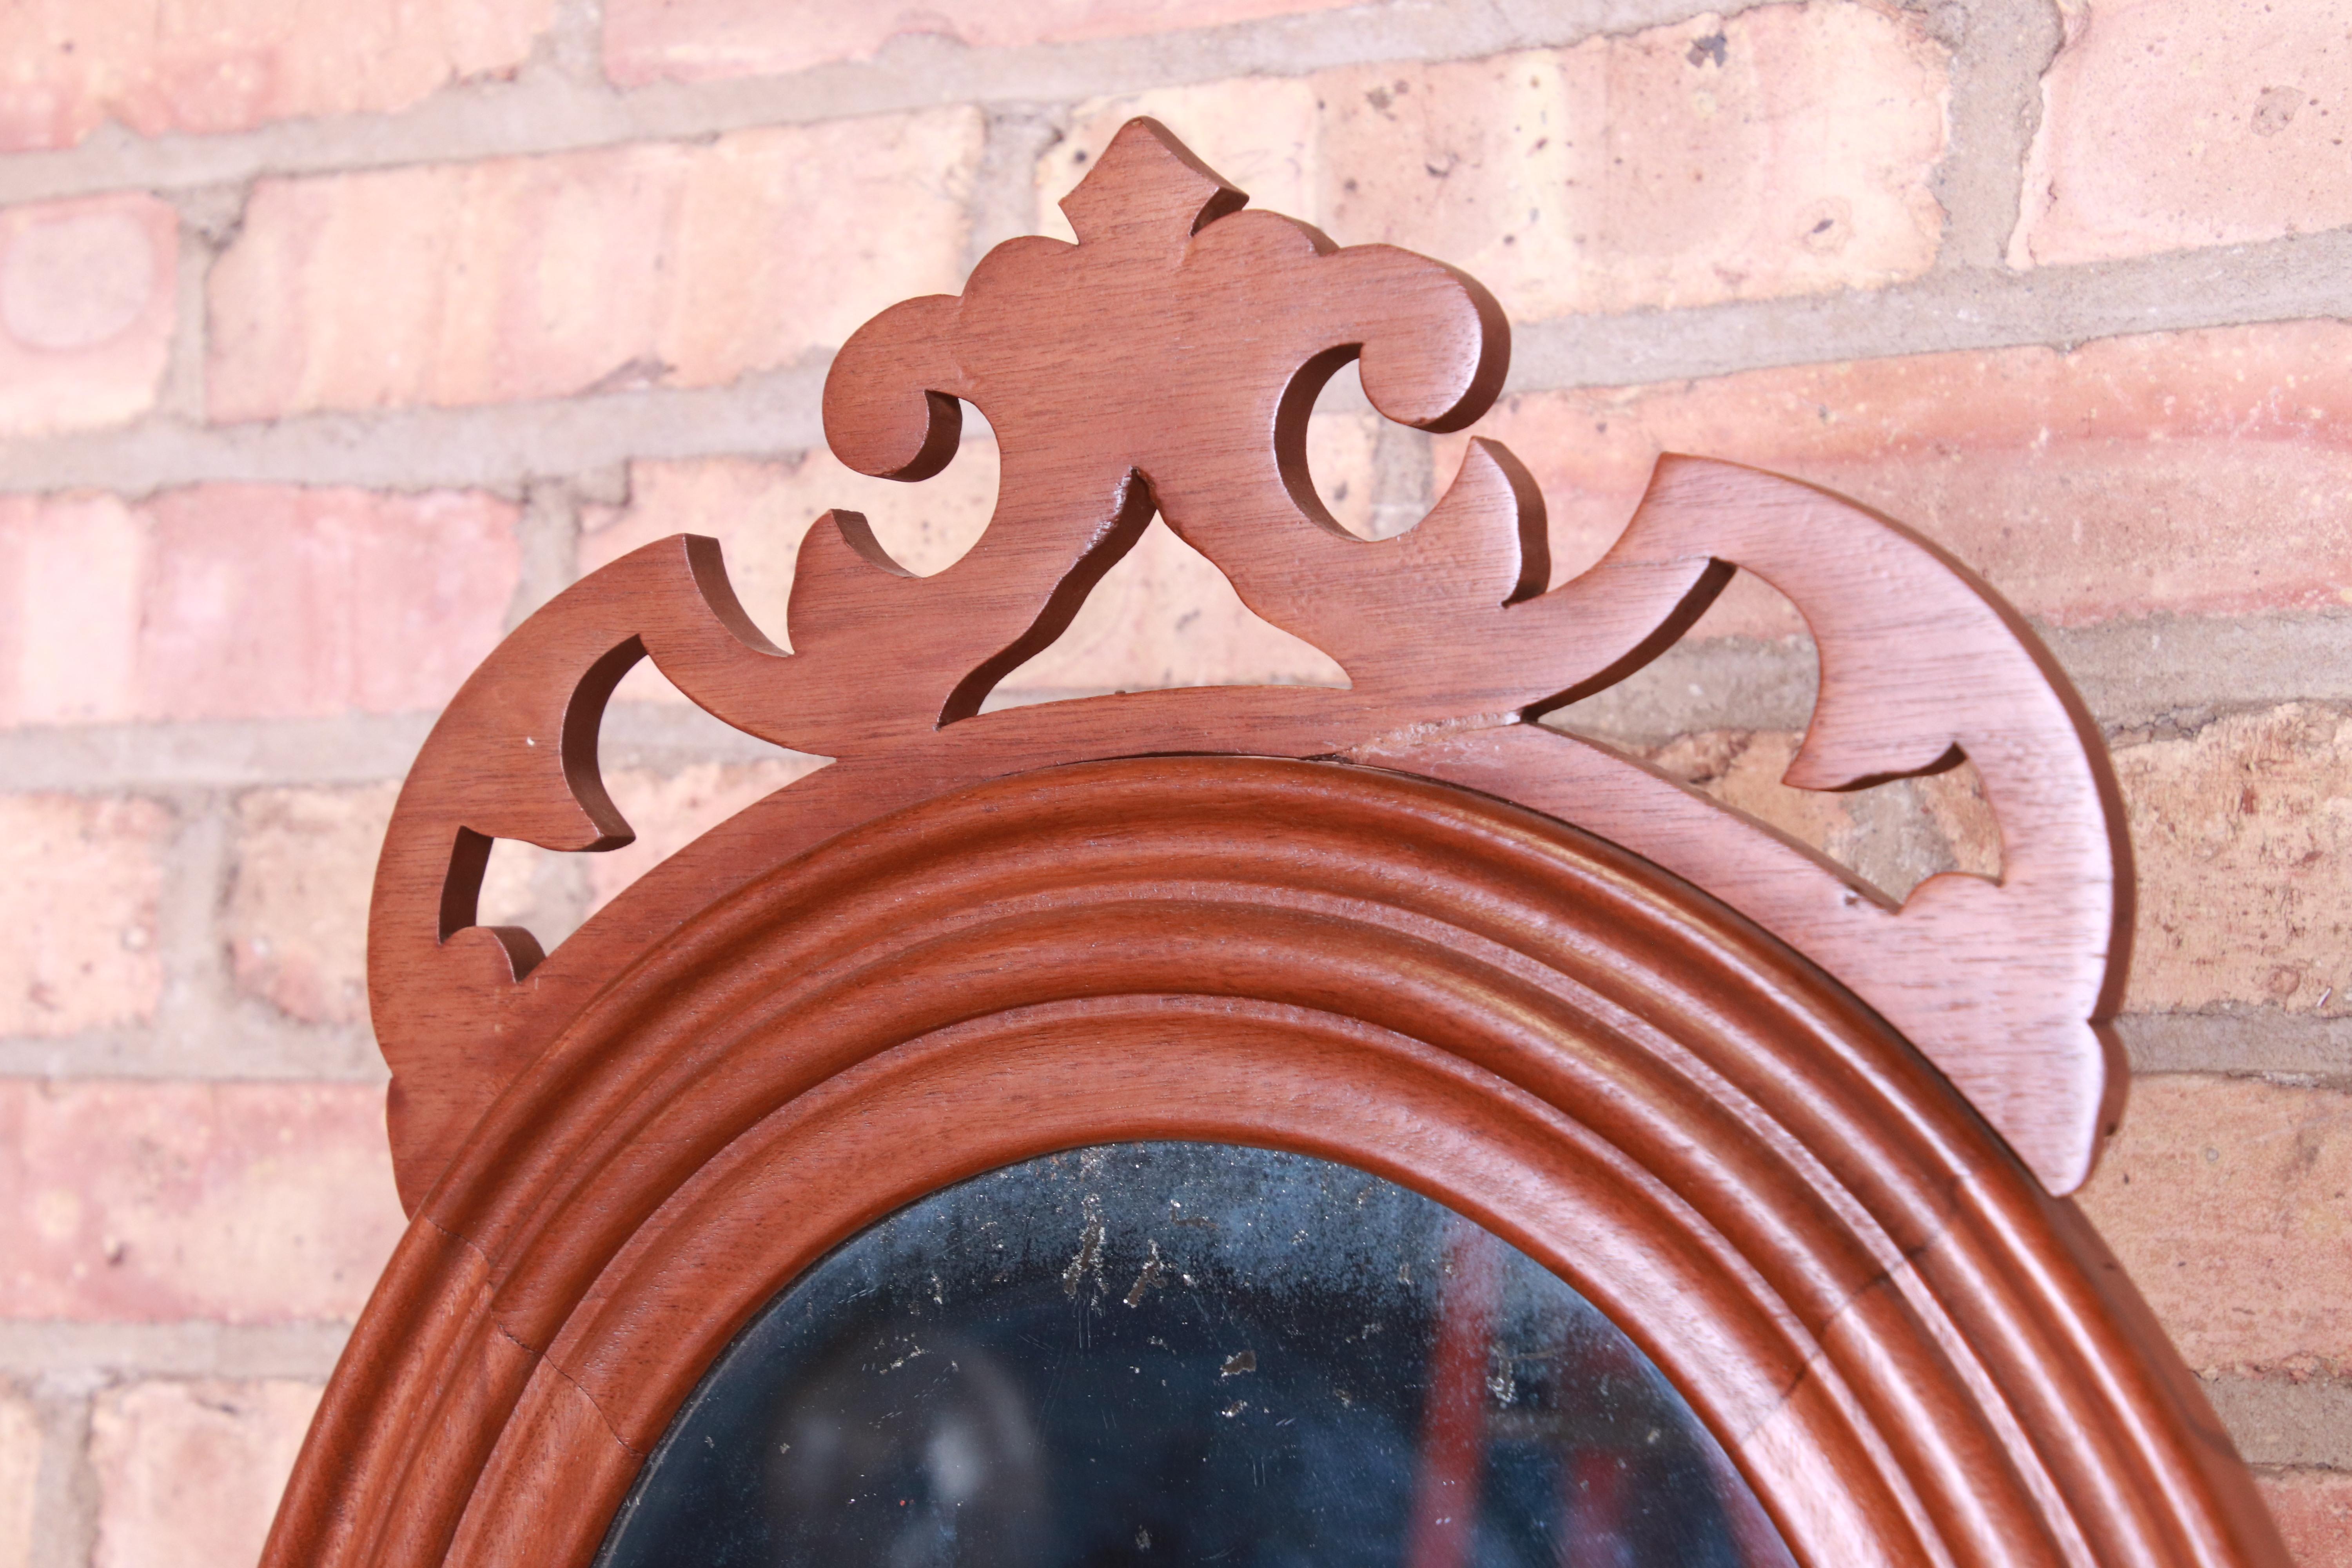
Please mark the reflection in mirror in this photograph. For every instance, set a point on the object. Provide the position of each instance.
(1185, 1353)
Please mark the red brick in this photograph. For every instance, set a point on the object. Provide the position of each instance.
(2229, 1202)
(88, 304)
(20, 1473)
(78, 884)
(2201, 472)
(190, 1473)
(145, 1202)
(1625, 173)
(297, 916)
(2167, 124)
(271, 600)
(2242, 831)
(707, 40)
(156, 69)
(523, 278)
(2314, 1509)
(248, 601)
(71, 572)
(1164, 617)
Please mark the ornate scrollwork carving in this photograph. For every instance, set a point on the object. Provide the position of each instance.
(1166, 362)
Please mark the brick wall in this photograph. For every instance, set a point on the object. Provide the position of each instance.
(335, 337)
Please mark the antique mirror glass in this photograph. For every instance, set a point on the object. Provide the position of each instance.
(1185, 1353)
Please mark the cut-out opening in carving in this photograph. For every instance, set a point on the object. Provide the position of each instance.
(1347, 469)
(1164, 617)
(525, 888)
(1724, 711)
(760, 509)
(1893, 836)
(673, 771)
(1373, 478)
(928, 525)
(1135, 510)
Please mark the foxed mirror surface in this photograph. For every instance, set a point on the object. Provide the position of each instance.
(1185, 1353)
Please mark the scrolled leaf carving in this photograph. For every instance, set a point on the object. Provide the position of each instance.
(1166, 364)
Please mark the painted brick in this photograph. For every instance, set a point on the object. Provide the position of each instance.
(190, 1473)
(20, 1474)
(154, 68)
(707, 40)
(2172, 123)
(79, 880)
(2201, 472)
(2314, 1509)
(248, 601)
(88, 304)
(2242, 831)
(1785, 151)
(241, 1202)
(2229, 1202)
(523, 278)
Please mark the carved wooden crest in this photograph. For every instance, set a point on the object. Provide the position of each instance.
(1166, 362)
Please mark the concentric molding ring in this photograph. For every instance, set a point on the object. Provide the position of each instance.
(1913, 1354)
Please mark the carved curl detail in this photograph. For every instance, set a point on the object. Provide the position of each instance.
(1166, 364)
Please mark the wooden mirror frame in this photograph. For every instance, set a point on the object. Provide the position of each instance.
(1399, 926)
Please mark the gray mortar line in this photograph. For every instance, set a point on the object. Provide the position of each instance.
(2300, 278)
(2001, 49)
(65, 1486)
(2285, 1421)
(2161, 676)
(1403, 478)
(2242, 1042)
(2141, 679)
(1004, 187)
(1725, 684)
(190, 910)
(557, 109)
(547, 538)
(97, 1352)
(246, 1043)
(776, 411)
(217, 753)
(500, 446)
(2175, 674)
(182, 394)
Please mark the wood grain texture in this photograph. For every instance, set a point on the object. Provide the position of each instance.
(1167, 362)
(1913, 1352)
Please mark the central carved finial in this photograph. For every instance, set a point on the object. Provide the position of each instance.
(1168, 360)
(1147, 183)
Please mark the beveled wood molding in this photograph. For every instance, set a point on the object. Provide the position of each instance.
(1808, 1147)
(1912, 1352)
